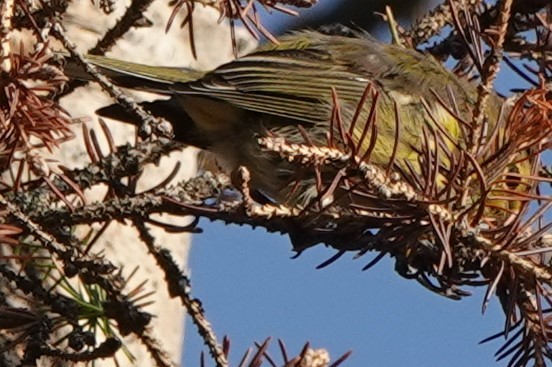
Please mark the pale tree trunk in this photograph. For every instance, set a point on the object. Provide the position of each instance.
(85, 24)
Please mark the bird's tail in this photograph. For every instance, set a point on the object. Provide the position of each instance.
(184, 128)
(156, 79)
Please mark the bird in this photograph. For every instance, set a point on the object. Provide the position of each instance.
(288, 90)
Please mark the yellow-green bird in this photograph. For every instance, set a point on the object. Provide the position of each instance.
(276, 88)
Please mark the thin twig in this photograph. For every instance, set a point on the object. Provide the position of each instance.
(179, 286)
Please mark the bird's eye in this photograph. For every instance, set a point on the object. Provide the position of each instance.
(513, 181)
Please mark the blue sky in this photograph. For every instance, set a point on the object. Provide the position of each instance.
(251, 289)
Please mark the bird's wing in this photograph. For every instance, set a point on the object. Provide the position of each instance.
(295, 84)
(293, 79)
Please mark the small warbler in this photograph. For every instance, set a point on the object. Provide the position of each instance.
(278, 87)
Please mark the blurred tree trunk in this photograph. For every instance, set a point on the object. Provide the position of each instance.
(358, 12)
